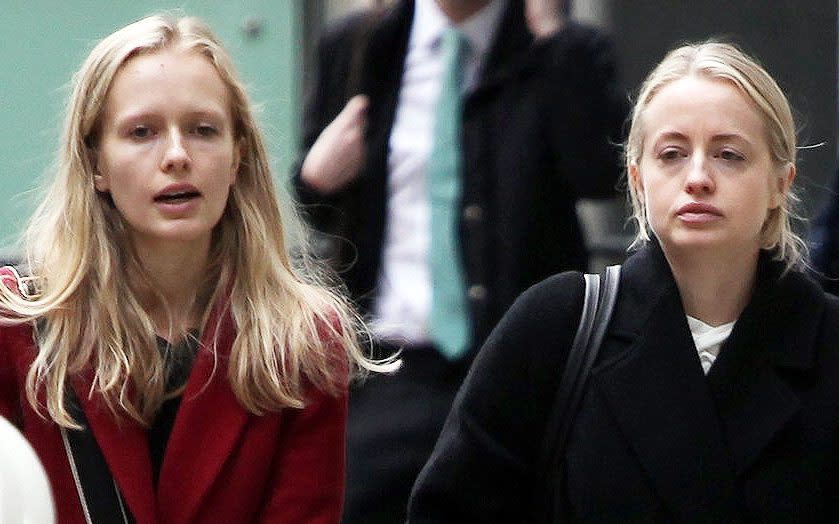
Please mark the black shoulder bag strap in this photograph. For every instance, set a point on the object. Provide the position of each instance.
(601, 293)
(98, 492)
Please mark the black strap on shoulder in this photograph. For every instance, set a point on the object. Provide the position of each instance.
(98, 493)
(600, 296)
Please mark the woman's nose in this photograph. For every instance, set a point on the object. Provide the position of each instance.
(175, 157)
(699, 178)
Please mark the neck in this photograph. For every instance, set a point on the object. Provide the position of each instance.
(715, 287)
(177, 272)
(459, 10)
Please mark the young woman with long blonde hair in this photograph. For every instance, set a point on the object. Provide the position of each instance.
(162, 352)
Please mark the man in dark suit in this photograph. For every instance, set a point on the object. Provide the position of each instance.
(539, 118)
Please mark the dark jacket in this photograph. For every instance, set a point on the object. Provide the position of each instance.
(539, 131)
(655, 440)
(824, 241)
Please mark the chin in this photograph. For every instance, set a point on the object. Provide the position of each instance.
(177, 235)
(704, 243)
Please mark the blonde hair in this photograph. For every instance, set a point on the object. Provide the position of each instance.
(722, 61)
(291, 329)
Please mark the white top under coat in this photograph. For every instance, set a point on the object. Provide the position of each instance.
(708, 339)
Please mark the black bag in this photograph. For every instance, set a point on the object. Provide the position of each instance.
(600, 296)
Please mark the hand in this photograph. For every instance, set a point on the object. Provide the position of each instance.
(544, 17)
(336, 157)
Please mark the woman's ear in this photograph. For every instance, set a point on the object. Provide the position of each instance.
(100, 181)
(634, 177)
(784, 182)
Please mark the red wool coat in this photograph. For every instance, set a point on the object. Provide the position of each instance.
(222, 464)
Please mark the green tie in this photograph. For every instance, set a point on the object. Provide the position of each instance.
(449, 323)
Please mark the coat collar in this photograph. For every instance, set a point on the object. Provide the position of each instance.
(186, 475)
(684, 427)
(510, 51)
(774, 340)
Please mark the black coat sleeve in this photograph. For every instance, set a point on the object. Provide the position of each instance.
(589, 110)
(483, 466)
(325, 98)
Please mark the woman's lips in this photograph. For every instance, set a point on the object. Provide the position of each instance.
(176, 193)
(177, 198)
(698, 213)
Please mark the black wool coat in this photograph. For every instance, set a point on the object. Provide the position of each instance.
(539, 132)
(655, 440)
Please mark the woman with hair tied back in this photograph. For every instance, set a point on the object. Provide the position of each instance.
(715, 393)
(164, 355)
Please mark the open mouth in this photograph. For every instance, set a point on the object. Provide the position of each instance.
(177, 197)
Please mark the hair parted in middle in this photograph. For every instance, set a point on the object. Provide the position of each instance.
(725, 62)
(288, 315)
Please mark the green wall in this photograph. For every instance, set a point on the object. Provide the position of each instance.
(43, 42)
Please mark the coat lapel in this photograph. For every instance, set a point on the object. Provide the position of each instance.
(210, 419)
(125, 448)
(773, 340)
(382, 69)
(660, 398)
(381, 73)
(687, 428)
(511, 51)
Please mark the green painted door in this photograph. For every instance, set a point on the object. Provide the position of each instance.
(43, 42)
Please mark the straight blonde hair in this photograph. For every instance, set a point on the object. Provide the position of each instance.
(293, 327)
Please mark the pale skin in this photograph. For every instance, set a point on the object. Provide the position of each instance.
(168, 158)
(708, 181)
(544, 17)
(336, 157)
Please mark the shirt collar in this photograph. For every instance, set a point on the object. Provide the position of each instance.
(479, 29)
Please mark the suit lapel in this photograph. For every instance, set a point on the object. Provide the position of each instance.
(382, 69)
(381, 73)
(659, 396)
(209, 419)
(125, 447)
(774, 337)
(512, 51)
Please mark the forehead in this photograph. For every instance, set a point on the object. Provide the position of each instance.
(700, 104)
(167, 76)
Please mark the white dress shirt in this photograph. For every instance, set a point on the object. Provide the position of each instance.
(403, 304)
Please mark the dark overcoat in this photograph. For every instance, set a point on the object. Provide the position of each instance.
(655, 440)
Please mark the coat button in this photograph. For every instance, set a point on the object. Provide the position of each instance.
(477, 292)
(473, 213)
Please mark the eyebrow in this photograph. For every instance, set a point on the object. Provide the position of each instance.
(131, 116)
(720, 137)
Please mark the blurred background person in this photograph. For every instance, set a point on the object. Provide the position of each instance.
(446, 145)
